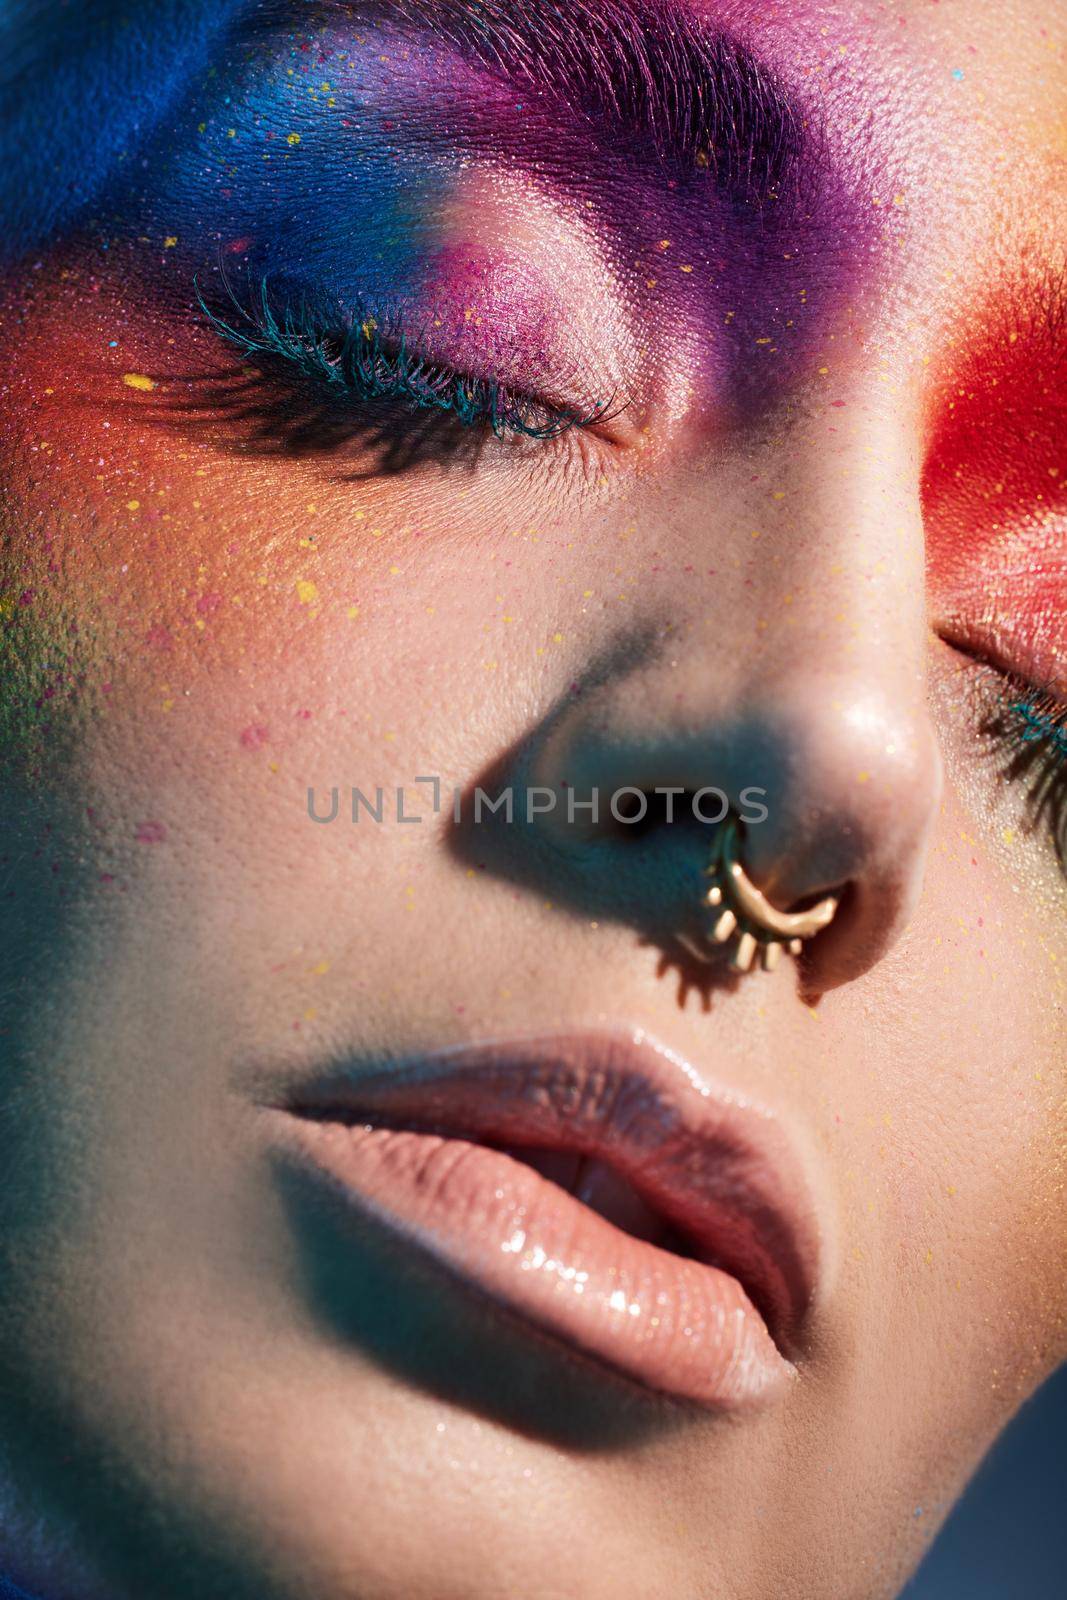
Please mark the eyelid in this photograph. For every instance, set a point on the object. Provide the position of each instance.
(1023, 729)
(404, 408)
(996, 644)
(483, 342)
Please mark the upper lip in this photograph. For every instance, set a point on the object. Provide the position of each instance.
(714, 1165)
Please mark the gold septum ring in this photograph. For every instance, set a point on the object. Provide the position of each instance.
(739, 908)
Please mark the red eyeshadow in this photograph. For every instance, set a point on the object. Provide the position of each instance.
(994, 495)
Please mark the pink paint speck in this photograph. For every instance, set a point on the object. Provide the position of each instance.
(254, 737)
(151, 832)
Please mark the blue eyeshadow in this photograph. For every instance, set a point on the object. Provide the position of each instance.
(266, 169)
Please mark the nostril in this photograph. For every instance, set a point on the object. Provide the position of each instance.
(634, 813)
(805, 902)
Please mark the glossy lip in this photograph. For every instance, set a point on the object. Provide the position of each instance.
(642, 1138)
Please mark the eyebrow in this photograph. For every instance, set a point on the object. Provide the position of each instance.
(641, 72)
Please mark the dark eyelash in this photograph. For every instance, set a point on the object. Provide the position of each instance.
(358, 358)
(1029, 727)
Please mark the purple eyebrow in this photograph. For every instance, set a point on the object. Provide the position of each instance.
(637, 72)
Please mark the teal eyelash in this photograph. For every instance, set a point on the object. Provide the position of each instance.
(1034, 723)
(347, 353)
(1030, 727)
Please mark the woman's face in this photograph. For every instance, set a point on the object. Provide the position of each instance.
(412, 403)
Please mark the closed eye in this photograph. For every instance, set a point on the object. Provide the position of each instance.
(1025, 730)
(358, 375)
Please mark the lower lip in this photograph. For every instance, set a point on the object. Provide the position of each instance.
(673, 1325)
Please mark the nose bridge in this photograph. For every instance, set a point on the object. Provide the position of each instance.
(837, 674)
(828, 540)
(831, 689)
(797, 587)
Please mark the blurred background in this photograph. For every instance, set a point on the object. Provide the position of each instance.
(1007, 1538)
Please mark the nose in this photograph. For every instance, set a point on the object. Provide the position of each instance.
(791, 679)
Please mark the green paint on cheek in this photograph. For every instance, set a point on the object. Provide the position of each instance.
(54, 639)
(50, 682)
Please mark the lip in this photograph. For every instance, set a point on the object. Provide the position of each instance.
(469, 1154)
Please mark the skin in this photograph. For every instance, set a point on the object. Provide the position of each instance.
(236, 625)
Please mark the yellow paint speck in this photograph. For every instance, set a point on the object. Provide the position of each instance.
(137, 380)
(133, 505)
(307, 592)
(292, 138)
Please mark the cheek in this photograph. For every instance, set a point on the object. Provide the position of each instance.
(173, 560)
(158, 588)
(979, 1157)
